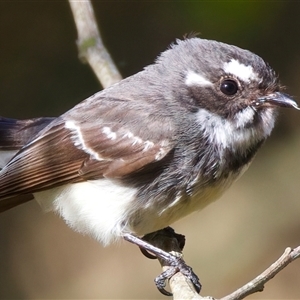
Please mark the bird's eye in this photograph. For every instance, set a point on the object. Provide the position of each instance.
(229, 87)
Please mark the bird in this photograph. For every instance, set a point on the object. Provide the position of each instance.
(151, 149)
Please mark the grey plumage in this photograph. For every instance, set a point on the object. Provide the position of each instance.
(176, 134)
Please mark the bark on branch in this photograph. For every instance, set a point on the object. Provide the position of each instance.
(90, 45)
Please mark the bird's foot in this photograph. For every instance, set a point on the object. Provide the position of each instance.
(170, 241)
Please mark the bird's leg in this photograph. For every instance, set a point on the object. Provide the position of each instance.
(169, 240)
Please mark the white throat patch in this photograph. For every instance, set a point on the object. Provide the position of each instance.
(234, 134)
(241, 71)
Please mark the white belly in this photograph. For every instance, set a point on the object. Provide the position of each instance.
(97, 208)
(106, 210)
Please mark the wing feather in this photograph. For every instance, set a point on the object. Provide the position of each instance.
(100, 138)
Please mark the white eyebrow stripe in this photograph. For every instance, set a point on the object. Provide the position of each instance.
(193, 78)
(241, 71)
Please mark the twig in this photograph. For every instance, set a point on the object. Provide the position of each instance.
(183, 289)
(257, 284)
(90, 44)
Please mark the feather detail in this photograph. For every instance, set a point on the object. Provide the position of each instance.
(14, 134)
(86, 143)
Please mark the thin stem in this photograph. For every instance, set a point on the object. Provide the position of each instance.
(90, 44)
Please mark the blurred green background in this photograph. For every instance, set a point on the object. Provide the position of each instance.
(228, 243)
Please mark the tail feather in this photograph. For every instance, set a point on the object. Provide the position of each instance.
(8, 203)
(14, 134)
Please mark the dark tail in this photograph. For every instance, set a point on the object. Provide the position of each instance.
(14, 134)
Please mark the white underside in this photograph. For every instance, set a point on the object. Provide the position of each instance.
(96, 208)
(104, 209)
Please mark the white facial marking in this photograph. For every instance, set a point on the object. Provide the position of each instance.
(109, 133)
(234, 134)
(240, 70)
(79, 140)
(244, 117)
(193, 78)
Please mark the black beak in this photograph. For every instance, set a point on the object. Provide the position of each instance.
(276, 99)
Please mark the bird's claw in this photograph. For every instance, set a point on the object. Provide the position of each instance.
(160, 280)
(151, 246)
(176, 265)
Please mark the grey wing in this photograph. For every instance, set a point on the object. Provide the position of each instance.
(107, 138)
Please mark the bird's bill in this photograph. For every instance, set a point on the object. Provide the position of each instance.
(276, 99)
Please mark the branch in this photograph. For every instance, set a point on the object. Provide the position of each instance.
(90, 44)
(257, 284)
(183, 289)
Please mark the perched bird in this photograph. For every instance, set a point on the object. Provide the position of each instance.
(149, 150)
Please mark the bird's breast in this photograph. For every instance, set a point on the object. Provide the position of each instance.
(153, 216)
